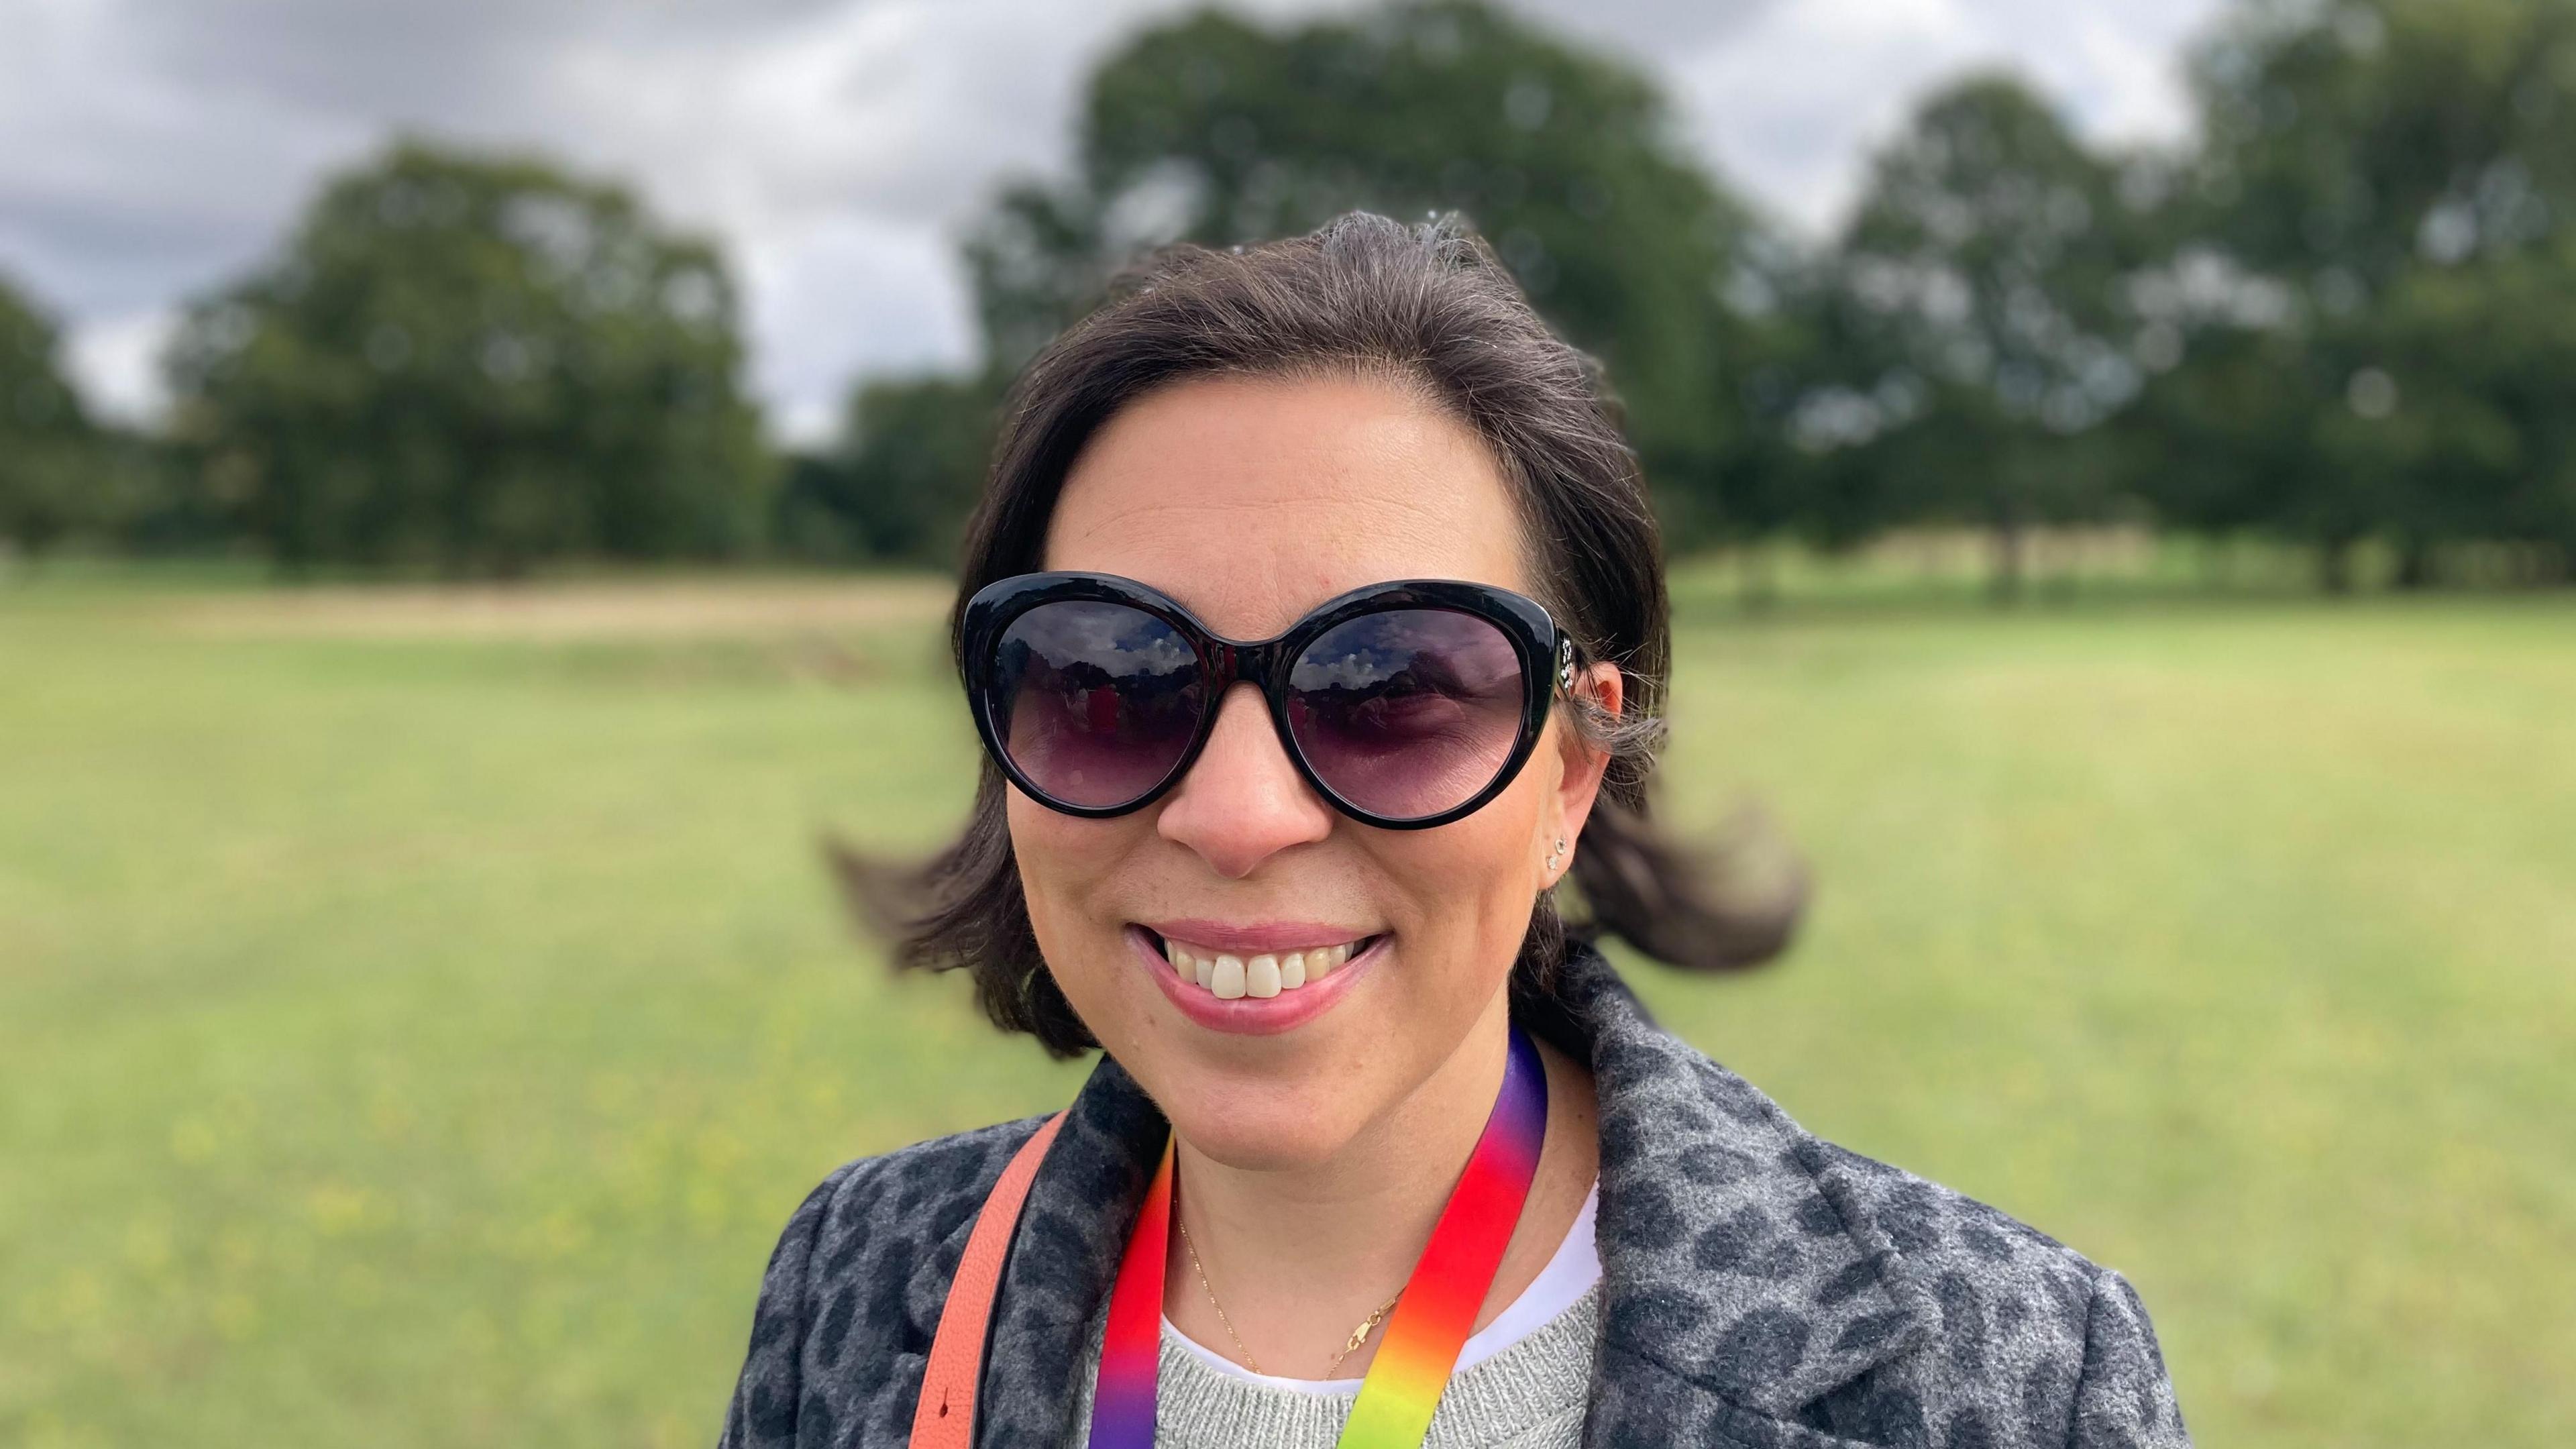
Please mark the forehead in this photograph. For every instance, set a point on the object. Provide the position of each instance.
(1251, 500)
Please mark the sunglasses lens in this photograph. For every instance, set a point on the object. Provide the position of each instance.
(1095, 702)
(1409, 712)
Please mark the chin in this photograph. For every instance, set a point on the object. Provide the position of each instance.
(1285, 1137)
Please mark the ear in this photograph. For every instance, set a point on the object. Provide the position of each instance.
(1579, 783)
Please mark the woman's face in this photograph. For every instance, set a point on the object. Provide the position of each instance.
(1251, 501)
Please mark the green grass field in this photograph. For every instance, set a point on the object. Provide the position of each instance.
(415, 1023)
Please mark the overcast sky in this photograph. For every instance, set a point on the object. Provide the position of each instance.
(150, 149)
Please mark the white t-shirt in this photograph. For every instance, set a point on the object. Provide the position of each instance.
(1570, 1272)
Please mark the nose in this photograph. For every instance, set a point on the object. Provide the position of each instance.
(1243, 800)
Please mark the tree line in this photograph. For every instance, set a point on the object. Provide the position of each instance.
(2341, 316)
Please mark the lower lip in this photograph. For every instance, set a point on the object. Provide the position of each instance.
(1251, 1015)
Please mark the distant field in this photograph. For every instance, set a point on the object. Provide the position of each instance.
(418, 1013)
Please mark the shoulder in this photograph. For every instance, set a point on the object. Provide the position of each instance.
(859, 1271)
(2025, 1340)
(1946, 1237)
(873, 1222)
(1784, 1276)
(2030, 1340)
(922, 1192)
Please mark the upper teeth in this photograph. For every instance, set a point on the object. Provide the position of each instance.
(1267, 974)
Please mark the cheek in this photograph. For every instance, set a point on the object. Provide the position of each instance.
(1065, 863)
(1469, 886)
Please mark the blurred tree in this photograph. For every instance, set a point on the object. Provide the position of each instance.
(51, 476)
(2337, 318)
(2383, 199)
(1980, 329)
(1217, 130)
(906, 475)
(2456, 423)
(477, 363)
(2347, 143)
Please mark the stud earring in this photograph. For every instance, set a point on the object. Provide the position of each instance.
(1557, 854)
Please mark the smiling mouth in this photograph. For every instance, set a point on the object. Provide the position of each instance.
(1230, 976)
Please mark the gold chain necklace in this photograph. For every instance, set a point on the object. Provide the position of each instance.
(1351, 1346)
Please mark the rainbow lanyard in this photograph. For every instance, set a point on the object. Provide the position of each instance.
(1431, 1320)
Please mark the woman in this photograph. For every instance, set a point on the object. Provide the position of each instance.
(1277, 826)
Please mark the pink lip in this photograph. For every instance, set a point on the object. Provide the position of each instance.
(1248, 939)
(1250, 1015)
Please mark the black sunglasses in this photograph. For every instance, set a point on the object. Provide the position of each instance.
(1405, 704)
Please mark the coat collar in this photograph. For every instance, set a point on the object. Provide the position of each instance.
(1742, 1276)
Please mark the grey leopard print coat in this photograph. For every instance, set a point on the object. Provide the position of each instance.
(1761, 1289)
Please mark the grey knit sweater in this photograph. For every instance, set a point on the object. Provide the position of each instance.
(1529, 1395)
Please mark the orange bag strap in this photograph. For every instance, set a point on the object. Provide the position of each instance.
(945, 1417)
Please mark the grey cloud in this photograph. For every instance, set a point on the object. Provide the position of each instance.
(1652, 27)
(420, 59)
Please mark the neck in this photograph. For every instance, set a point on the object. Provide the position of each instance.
(1300, 1257)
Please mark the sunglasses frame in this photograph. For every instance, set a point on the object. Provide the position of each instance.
(1547, 656)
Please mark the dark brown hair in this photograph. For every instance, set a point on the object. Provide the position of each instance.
(1431, 308)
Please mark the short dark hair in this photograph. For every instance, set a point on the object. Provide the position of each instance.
(1431, 308)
